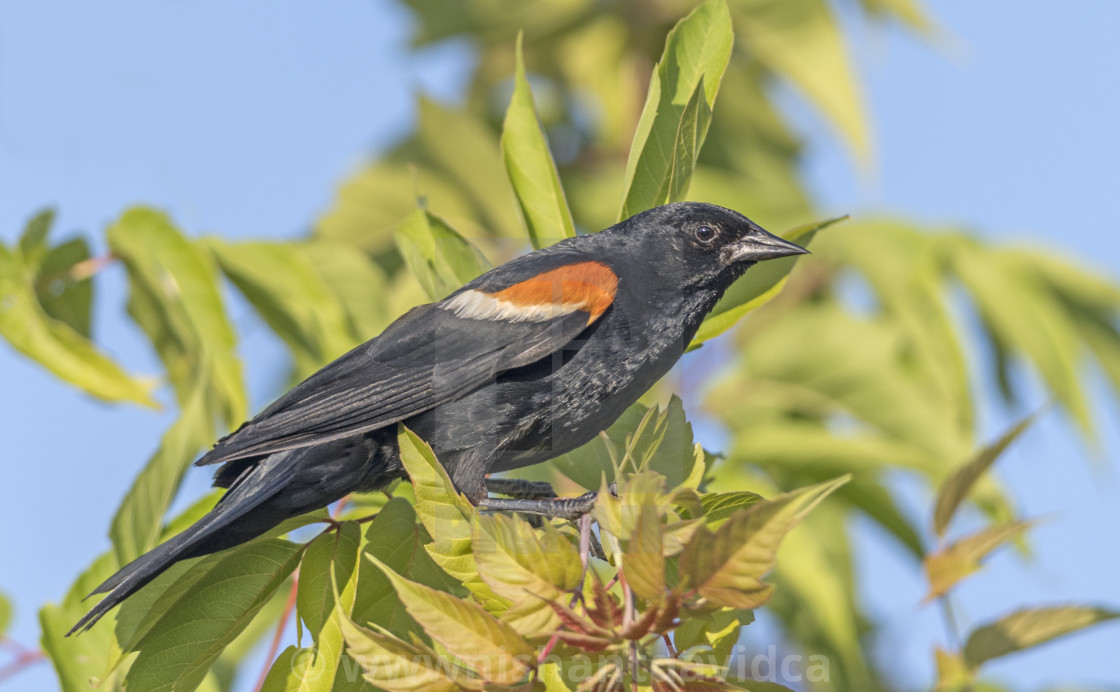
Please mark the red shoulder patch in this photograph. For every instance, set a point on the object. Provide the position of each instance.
(587, 286)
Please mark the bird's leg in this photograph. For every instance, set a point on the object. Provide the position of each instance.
(520, 489)
(556, 507)
(549, 506)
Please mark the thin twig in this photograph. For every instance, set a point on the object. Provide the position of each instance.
(584, 549)
(79, 271)
(24, 659)
(669, 645)
(950, 622)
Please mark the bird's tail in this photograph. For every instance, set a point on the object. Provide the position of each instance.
(243, 513)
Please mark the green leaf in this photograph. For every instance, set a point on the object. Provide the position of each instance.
(329, 562)
(761, 284)
(675, 119)
(291, 295)
(358, 284)
(138, 521)
(335, 553)
(178, 650)
(462, 147)
(642, 439)
(528, 566)
(394, 664)
(287, 673)
(78, 660)
(5, 614)
(727, 566)
(948, 566)
(530, 167)
(957, 486)
(495, 650)
(802, 40)
(1024, 629)
(719, 507)
(143, 610)
(55, 345)
(63, 287)
(64, 294)
(371, 204)
(33, 240)
(439, 258)
(350, 677)
(717, 630)
(175, 298)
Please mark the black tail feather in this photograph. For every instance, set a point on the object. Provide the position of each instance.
(224, 526)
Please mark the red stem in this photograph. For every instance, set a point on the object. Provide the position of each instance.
(24, 659)
(280, 627)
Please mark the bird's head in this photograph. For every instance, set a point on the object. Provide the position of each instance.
(696, 245)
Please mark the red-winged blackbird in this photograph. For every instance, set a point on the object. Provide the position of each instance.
(526, 362)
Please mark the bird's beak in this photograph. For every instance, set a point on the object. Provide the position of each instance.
(760, 246)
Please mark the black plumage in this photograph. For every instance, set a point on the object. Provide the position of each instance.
(526, 362)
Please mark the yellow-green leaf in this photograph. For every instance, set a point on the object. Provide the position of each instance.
(527, 566)
(329, 558)
(57, 346)
(439, 258)
(174, 296)
(802, 40)
(948, 566)
(395, 538)
(1024, 629)
(292, 297)
(727, 566)
(394, 664)
(495, 650)
(462, 146)
(77, 660)
(643, 558)
(957, 486)
(357, 283)
(446, 514)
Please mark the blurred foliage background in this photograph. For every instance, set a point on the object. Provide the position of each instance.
(868, 361)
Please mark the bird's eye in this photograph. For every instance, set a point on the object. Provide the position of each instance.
(705, 234)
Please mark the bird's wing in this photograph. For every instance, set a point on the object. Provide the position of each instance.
(434, 353)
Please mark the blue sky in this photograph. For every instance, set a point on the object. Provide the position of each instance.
(241, 118)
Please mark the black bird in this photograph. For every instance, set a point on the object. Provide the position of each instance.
(528, 361)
